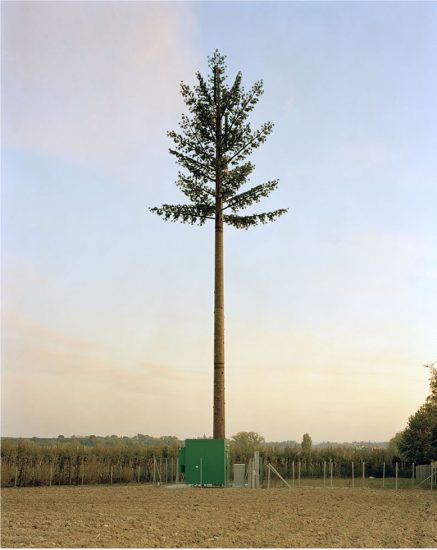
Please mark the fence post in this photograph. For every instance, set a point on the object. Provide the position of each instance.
(383, 475)
(324, 473)
(275, 471)
(299, 466)
(432, 474)
(268, 476)
(412, 475)
(293, 471)
(397, 465)
(331, 468)
(256, 468)
(353, 477)
(364, 465)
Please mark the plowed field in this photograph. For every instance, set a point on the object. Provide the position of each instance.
(145, 516)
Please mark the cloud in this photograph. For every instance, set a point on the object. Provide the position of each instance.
(280, 383)
(56, 383)
(33, 349)
(92, 81)
(39, 335)
(161, 372)
(352, 379)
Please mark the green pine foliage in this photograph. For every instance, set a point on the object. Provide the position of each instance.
(213, 145)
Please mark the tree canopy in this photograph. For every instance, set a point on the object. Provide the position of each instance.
(216, 139)
(307, 443)
(418, 442)
(244, 444)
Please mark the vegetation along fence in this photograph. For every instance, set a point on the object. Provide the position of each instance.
(110, 460)
(395, 475)
(28, 464)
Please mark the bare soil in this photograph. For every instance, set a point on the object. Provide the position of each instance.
(144, 516)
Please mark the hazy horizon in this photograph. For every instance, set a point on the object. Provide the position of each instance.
(107, 311)
(297, 441)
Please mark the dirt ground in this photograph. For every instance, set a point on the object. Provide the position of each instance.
(144, 516)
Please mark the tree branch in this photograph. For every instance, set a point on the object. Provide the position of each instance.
(251, 196)
(199, 142)
(191, 160)
(245, 104)
(257, 136)
(244, 222)
(185, 213)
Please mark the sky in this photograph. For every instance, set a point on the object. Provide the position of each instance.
(107, 311)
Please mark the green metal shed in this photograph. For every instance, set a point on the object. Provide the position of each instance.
(205, 462)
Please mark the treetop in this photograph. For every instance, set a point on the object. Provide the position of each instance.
(212, 145)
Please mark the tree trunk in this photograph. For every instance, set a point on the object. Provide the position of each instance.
(219, 333)
(219, 324)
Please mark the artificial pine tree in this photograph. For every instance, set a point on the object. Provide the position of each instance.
(213, 146)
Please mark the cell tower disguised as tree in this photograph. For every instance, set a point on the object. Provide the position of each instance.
(212, 147)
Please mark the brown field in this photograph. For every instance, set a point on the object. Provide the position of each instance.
(146, 516)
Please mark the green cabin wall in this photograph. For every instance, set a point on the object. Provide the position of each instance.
(205, 462)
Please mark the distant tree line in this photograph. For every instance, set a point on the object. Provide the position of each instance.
(312, 457)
